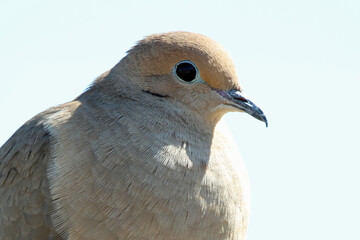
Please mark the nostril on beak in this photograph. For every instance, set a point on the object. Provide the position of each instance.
(236, 94)
(241, 98)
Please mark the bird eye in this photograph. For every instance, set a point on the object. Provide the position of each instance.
(186, 71)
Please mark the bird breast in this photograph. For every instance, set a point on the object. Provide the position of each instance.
(133, 181)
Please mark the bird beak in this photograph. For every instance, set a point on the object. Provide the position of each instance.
(239, 101)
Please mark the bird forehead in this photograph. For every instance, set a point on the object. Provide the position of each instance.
(158, 54)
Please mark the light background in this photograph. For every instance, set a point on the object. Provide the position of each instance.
(299, 60)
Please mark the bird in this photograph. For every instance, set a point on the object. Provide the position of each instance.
(142, 153)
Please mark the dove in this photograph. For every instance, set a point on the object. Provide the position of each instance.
(141, 154)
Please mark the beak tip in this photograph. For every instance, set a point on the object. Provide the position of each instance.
(266, 122)
(262, 118)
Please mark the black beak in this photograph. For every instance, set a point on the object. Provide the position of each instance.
(240, 102)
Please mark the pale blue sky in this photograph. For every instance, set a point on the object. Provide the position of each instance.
(299, 60)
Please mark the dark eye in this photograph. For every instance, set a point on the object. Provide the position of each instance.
(186, 71)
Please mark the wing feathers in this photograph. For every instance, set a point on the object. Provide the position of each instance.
(24, 189)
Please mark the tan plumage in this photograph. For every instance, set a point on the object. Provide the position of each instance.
(140, 155)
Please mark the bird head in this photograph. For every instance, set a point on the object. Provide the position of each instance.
(188, 69)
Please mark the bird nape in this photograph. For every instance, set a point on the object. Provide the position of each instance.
(142, 154)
